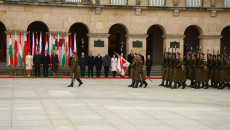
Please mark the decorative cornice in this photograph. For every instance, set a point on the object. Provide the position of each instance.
(106, 35)
(210, 37)
(136, 35)
(175, 36)
(22, 31)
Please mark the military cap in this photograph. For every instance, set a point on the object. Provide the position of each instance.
(201, 53)
(209, 54)
(178, 53)
(74, 52)
(169, 53)
(219, 55)
(225, 55)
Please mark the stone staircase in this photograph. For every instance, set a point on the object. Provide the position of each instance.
(62, 71)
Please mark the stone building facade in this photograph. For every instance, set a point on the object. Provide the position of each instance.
(149, 29)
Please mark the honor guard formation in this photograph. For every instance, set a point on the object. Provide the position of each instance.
(213, 72)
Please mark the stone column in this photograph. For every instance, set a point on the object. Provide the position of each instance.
(95, 37)
(174, 38)
(210, 42)
(175, 2)
(139, 38)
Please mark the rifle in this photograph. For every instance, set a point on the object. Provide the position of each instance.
(164, 57)
(199, 56)
(217, 59)
(175, 58)
(191, 57)
(168, 58)
(207, 54)
(224, 63)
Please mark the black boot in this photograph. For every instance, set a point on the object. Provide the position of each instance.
(136, 84)
(170, 84)
(132, 84)
(195, 85)
(220, 86)
(162, 84)
(146, 84)
(191, 84)
(167, 84)
(175, 85)
(228, 85)
(207, 86)
(80, 82)
(71, 84)
(198, 86)
(179, 84)
(203, 85)
(141, 84)
(184, 85)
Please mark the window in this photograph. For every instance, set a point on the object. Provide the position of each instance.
(118, 2)
(226, 3)
(73, 1)
(193, 3)
(156, 2)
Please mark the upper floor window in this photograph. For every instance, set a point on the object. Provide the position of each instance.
(73, 1)
(226, 3)
(118, 2)
(193, 3)
(156, 2)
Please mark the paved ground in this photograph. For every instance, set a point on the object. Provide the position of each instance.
(47, 104)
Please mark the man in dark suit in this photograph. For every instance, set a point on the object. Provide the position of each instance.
(98, 63)
(148, 65)
(82, 63)
(83, 46)
(130, 60)
(90, 61)
(37, 60)
(45, 62)
(122, 48)
(106, 64)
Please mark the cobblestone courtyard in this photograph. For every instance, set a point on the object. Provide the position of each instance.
(108, 104)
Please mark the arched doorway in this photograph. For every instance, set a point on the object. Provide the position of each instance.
(191, 39)
(38, 27)
(2, 43)
(154, 46)
(81, 31)
(225, 40)
(117, 35)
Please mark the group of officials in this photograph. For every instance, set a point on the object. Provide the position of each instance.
(213, 72)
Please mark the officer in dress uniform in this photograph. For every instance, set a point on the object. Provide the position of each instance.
(217, 71)
(168, 70)
(171, 69)
(139, 74)
(74, 71)
(132, 72)
(209, 69)
(186, 63)
(178, 75)
(212, 75)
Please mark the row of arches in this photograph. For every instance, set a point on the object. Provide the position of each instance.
(118, 32)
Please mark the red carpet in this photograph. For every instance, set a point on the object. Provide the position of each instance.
(69, 77)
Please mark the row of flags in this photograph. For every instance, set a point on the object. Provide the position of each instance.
(18, 57)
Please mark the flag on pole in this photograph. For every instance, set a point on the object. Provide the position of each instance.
(10, 61)
(53, 48)
(75, 44)
(122, 65)
(15, 51)
(37, 44)
(63, 52)
(58, 46)
(46, 44)
(33, 45)
(50, 48)
(40, 44)
(20, 51)
(28, 43)
(67, 49)
(70, 46)
(25, 52)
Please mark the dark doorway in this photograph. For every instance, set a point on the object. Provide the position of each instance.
(191, 40)
(38, 27)
(2, 43)
(81, 31)
(117, 35)
(225, 40)
(154, 46)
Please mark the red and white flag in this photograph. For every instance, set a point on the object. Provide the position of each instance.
(58, 46)
(70, 46)
(40, 44)
(122, 65)
(15, 51)
(67, 49)
(33, 45)
(25, 49)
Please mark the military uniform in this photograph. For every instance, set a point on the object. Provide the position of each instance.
(132, 72)
(212, 73)
(192, 68)
(163, 70)
(201, 73)
(167, 73)
(224, 73)
(171, 70)
(217, 72)
(74, 71)
(186, 66)
(178, 75)
(139, 73)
